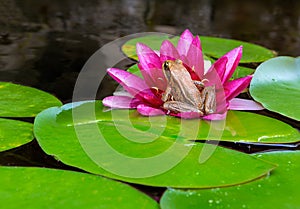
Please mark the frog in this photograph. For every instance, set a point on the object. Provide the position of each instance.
(183, 94)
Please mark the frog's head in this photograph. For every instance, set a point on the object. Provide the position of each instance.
(170, 65)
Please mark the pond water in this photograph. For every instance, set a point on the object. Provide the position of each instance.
(45, 44)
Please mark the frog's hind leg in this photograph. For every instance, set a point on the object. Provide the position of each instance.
(176, 106)
(209, 100)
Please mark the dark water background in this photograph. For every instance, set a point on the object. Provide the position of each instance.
(44, 44)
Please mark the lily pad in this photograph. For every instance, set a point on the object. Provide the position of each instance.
(242, 72)
(276, 84)
(48, 188)
(217, 47)
(14, 133)
(212, 46)
(134, 69)
(22, 101)
(249, 127)
(280, 189)
(153, 41)
(123, 145)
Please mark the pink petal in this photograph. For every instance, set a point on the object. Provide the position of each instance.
(219, 66)
(130, 82)
(149, 111)
(120, 102)
(134, 85)
(185, 42)
(149, 97)
(147, 57)
(187, 115)
(150, 66)
(195, 57)
(234, 56)
(216, 116)
(168, 51)
(235, 87)
(244, 104)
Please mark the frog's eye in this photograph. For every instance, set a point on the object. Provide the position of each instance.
(166, 65)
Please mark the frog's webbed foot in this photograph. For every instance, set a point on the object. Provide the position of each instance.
(176, 106)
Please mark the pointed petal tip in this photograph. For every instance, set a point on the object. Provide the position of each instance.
(140, 44)
(112, 71)
(140, 47)
(186, 33)
(234, 56)
(168, 51)
(166, 42)
(240, 49)
(122, 102)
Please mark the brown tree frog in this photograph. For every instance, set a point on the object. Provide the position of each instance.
(184, 94)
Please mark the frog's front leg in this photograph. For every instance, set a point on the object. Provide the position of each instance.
(166, 96)
(176, 106)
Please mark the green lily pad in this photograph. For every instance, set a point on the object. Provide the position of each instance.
(249, 127)
(276, 84)
(123, 145)
(280, 189)
(212, 46)
(48, 188)
(153, 41)
(134, 69)
(217, 47)
(14, 133)
(22, 101)
(242, 72)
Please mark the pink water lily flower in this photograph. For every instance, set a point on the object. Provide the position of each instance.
(146, 94)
